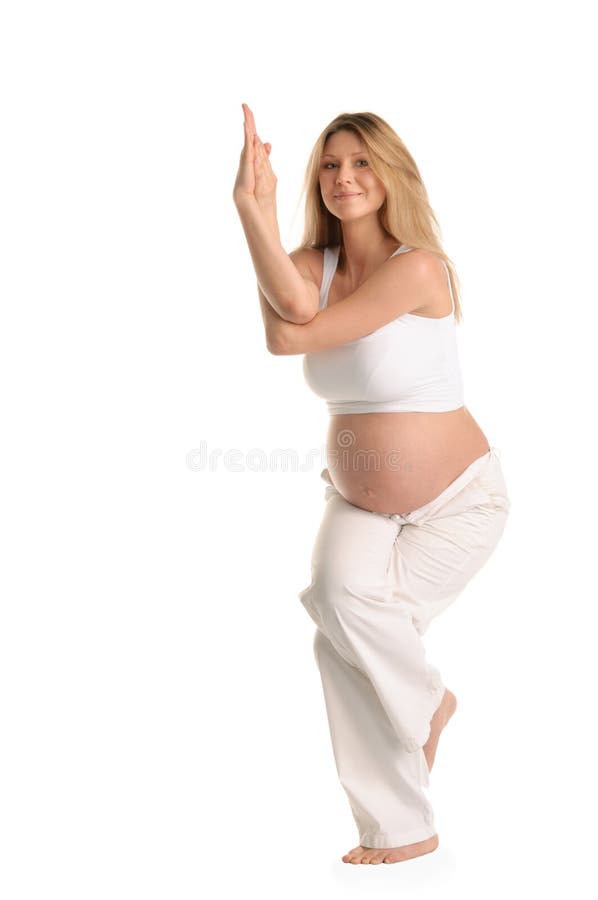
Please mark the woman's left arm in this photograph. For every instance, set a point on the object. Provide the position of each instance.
(403, 284)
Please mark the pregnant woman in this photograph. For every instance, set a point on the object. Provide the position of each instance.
(415, 501)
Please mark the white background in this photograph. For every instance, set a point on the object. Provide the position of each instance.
(162, 719)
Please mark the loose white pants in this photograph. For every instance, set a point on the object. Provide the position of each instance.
(377, 580)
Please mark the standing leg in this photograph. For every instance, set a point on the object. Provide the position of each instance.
(372, 663)
(383, 782)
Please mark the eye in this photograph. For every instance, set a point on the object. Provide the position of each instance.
(359, 160)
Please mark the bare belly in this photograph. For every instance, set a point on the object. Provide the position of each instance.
(397, 462)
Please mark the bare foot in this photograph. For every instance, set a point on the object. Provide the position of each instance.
(447, 707)
(375, 855)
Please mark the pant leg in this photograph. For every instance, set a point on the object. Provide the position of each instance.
(383, 783)
(368, 651)
(350, 598)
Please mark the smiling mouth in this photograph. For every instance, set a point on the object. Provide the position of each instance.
(346, 196)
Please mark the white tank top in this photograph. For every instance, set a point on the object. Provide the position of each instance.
(410, 364)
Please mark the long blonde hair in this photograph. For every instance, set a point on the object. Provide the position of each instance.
(406, 213)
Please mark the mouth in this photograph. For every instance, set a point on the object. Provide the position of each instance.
(346, 196)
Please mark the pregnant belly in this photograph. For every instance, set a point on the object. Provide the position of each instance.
(397, 462)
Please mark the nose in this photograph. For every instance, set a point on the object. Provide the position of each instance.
(343, 176)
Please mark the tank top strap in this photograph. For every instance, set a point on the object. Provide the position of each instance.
(449, 285)
(404, 248)
(331, 255)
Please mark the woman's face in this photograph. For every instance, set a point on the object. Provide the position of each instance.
(345, 168)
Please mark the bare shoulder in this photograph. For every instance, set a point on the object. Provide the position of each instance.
(427, 263)
(309, 262)
(432, 274)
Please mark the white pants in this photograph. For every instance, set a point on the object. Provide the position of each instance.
(377, 580)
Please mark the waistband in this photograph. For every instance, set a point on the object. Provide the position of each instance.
(429, 509)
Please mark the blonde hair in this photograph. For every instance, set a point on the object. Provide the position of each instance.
(406, 213)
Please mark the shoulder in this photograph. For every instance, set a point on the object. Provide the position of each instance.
(426, 264)
(430, 275)
(307, 253)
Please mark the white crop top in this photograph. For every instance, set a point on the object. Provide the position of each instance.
(410, 364)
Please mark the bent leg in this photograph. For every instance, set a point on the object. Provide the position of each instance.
(436, 558)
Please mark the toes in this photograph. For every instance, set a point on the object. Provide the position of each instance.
(353, 855)
(372, 855)
(365, 855)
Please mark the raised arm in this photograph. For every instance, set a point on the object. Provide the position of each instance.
(279, 279)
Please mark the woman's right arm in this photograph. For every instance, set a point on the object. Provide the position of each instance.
(291, 295)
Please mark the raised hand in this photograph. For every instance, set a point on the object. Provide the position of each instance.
(255, 178)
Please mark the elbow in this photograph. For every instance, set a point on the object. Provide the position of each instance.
(298, 313)
(284, 340)
(301, 315)
(276, 344)
(302, 318)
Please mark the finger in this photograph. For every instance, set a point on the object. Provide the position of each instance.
(252, 121)
(262, 159)
(261, 154)
(249, 120)
(259, 144)
(248, 148)
(247, 112)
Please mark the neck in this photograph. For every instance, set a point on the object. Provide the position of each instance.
(364, 249)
